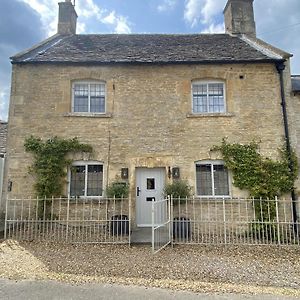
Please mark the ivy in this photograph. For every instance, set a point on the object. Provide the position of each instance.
(263, 177)
(50, 162)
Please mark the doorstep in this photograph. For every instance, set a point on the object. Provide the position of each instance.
(141, 235)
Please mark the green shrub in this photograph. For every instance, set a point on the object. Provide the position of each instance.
(178, 189)
(118, 190)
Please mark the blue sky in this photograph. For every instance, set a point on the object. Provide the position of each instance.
(26, 22)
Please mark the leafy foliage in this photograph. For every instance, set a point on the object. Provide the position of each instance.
(117, 189)
(50, 162)
(263, 177)
(178, 189)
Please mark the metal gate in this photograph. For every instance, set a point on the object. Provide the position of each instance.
(161, 224)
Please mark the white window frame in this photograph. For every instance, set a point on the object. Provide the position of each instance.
(212, 163)
(88, 82)
(85, 163)
(207, 82)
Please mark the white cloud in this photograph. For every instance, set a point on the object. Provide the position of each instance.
(87, 10)
(214, 28)
(4, 95)
(167, 5)
(192, 11)
(212, 8)
(47, 9)
(202, 11)
(120, 23)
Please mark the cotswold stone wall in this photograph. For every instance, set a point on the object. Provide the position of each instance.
(148, 123)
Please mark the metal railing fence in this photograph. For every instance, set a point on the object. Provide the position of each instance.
(234, 221)
(75, 220)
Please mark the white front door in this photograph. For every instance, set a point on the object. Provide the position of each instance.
(149, 185)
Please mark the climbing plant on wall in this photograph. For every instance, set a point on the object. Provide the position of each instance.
(50, 162)
(263, 177)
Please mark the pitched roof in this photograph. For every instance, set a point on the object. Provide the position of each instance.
(296, 83)
(144, 48)
(3, 137)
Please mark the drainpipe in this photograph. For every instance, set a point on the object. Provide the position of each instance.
(280, 68)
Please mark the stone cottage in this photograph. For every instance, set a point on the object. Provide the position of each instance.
(151, 105)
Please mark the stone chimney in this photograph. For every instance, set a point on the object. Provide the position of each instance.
(239, 17)
(67, 18)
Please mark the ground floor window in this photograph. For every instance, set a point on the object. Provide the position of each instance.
(86, 179)
(211, 179)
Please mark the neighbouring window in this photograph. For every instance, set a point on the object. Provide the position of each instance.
(212, 179)
(86, 179)
(208, 97)
(89, 97)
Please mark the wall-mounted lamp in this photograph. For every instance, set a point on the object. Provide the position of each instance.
(124, 173)
(175, 173)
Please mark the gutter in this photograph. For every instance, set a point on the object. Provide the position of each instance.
(280, 66)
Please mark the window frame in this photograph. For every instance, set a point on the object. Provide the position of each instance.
(207, 82)
(212, 163)
(86, 164)
(88, 82)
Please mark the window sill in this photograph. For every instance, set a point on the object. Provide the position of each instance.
(88, 115)
(207, 115)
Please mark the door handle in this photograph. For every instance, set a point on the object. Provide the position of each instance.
(138, 191)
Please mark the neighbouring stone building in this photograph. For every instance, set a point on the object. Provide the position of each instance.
(3, 137)
(151, 105)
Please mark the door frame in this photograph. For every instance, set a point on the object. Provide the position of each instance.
(161, 174)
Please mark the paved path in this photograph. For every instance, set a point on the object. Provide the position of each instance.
(44, 290)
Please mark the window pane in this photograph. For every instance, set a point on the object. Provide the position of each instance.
(221, 180)
(150, 183)
(81, 97)
(199, 98)
(77, 181)
(95, 180)
(216, 97)
(97, 104)
(97, 97)
(203, 180)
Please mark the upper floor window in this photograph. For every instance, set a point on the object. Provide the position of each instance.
(86, 179)
(88, 97)
(208, 97)
(212, 179)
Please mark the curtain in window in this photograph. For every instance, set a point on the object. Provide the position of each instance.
(203, 178)
(212, 180)
(81, 98)
(77, 185)
(94, 180)
(221, 180)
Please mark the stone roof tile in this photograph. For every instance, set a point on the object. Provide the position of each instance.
(142, 48)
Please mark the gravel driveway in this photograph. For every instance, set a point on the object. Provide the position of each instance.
(273, 270)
